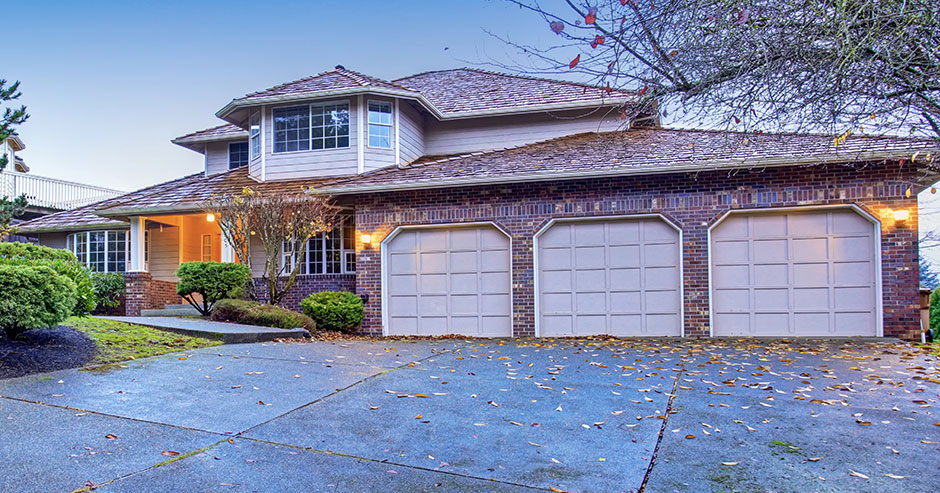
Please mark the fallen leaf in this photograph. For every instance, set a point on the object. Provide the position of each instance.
(894, 476)
(857, 474)
(730, 463)
(373, 408)
(556, 490)
(814, 459)
(169, 453)
(109, 436)
(419, 416)
(689, 437)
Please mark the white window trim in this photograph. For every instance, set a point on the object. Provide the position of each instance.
(72, 246)
(251, 137)
(343, 250)
(310, 106)
(390, 125)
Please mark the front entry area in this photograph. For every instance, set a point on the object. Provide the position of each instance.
(447, 280)
(795, 273)
(613, 276)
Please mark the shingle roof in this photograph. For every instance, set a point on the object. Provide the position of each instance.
(220, 132)
(338, 78)
(465, 90)
(641, 150)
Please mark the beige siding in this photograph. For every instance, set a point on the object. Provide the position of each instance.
(411, 129)
(256, 257)
(454, 137)
(376, 157)
(313, 163)
(53, 240)
(217, 157)
(254, 169)
(164, 252)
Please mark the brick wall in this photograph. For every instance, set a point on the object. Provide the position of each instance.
(692, 201)
(143, 292)
(305, 285)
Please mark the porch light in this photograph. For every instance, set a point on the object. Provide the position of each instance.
(210, 218)
(366, 239)
(901, 215)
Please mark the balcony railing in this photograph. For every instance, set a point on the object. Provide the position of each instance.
(52, 193)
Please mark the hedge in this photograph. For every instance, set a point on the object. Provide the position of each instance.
(254, 313)
(334, 310)
(33, 297)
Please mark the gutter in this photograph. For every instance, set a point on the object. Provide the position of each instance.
(141, 211)
(72, 227)
(624, 171)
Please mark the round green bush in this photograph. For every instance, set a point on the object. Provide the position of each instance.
(334, 310)
(212, 281)
(63, 262)
(255, 313)
(33, 297)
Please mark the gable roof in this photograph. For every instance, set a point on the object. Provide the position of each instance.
(466, 90)
(635, 151)
(448, 94)
(221, 132)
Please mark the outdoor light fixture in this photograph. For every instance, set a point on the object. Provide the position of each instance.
(210, 218)
(901, 215)
(367, 239)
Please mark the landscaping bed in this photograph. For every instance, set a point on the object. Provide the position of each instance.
(88, 341)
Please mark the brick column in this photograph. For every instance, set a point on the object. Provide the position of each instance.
(137, 292)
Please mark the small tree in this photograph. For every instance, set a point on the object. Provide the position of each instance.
(212, 281)
(281, 222)
(10, 207)
(928, 277)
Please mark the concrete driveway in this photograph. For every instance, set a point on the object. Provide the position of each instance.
(573, 415)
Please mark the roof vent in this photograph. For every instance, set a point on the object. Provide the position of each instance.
(340, 67)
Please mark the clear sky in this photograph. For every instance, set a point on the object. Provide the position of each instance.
(109, 83)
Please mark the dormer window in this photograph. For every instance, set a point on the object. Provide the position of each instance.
(254, 135)
(315, 126)
(237, 155)
(380, 124)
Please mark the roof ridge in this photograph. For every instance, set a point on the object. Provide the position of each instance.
(285, 84)
(365, 79)
(782, 134)
(515, 76)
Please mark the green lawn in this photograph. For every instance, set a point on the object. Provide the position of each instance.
(119, 341)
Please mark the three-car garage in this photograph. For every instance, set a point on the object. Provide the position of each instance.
(776, 273)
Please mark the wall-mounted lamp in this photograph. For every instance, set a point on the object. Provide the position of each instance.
(366, 239)
(901, 215)
(210, 218)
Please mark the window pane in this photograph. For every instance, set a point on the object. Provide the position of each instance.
(237, 155)
(329, 120)
(254, 132)
(287, 125)
(96, 250)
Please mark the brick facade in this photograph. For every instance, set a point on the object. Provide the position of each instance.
(693, 201)
(305, 285)
(143, 292)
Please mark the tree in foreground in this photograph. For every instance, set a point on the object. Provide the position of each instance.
(10, 207)
(821, 65)
(281, 223)
(203, 284)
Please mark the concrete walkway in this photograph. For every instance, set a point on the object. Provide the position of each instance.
(496, 415)
(226, 332)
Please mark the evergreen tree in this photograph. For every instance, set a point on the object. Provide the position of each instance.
(928, 276)
(11, 117)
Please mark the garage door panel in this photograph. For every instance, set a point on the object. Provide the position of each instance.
(730, 252)
(458, 281)
(495, 326)
(811, 298)
(806, 274)
(622, 271)
(770, 251)
(661, 325)
(624, 256)
(771, 299)
(767, 275)
(731, 275)
(813, 274)
(810, 249)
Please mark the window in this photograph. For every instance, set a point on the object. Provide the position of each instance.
(317, 126)
(380, 124)
(105, 251)
(332, 252)
(254, 135)
(207, 248)
(237, 155)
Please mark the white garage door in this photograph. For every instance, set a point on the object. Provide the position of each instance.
(449, 281)
(617, 277)
(794, 274)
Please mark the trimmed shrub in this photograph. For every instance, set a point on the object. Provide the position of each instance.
(33, 297)
(212, 281)
(109, 288)
(935, 311)
(63, 262)
(334, 310)
(254, 313)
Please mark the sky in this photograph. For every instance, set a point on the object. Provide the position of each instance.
(108, 84)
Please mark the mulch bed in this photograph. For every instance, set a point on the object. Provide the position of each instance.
(44, 350)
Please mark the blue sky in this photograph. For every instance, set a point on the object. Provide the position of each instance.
(109, 83)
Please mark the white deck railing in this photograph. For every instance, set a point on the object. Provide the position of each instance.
(52, 193)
